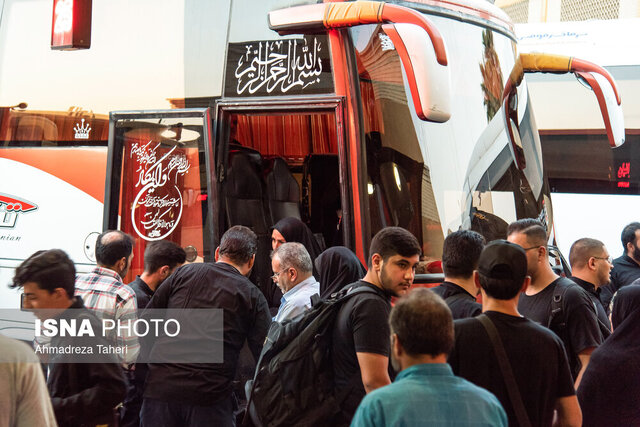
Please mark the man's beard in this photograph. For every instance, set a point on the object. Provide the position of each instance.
(636, 253)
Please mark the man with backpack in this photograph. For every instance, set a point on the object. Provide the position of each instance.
(523, 364)
(316, 368)
(460, 254)
(553, 301)
(360, 345)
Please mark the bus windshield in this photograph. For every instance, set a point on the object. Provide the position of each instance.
(434, 178)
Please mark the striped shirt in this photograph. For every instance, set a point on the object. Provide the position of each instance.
(103, 292)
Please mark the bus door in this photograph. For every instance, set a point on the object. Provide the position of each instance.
(159, 184)
(279, 158)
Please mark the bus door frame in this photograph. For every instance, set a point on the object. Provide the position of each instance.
(285, 105)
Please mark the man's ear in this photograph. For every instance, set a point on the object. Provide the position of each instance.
(217, 254)
(525, 284)
(121, 264)
(61, 293)
(251, 262)
(376, 261)
(476, 280)
(397, 346)
(164, 271)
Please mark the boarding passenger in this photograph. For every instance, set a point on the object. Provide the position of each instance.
(460, 254)
(82, 393)
(534, 358)
(196, 394)
(161, 258)
(24, 399)
(553, 301)
(590, 268)
(610, 389)
(360, 341)
(293, 273)
(337, 267)
(103, 292)
(293, 230)
(426, 392)
(626, 268)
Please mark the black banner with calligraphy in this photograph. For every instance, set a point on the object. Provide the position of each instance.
(279, 67)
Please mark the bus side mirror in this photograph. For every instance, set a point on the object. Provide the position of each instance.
(591, 75)
(609, 106)
(429, 81)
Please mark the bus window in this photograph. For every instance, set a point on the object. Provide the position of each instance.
(398, 178)
(159, 183)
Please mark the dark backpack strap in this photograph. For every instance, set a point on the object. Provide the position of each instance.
(507, 372)
(556, 306)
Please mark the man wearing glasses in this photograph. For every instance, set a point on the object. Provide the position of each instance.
(591, 267)
(293, 273)
(553, 301)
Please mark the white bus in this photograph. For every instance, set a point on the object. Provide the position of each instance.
(351, 116)
(594, 189)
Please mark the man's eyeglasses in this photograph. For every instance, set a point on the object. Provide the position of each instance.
(532, 247)
(277, 275)
(609, 259)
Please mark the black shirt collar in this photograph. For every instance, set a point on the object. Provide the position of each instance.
(587, 286)
(456, 289)
(144, 287)
(228, 267)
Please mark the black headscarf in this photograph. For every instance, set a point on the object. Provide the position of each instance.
(337, 267)
(609, 392)
(294, 230)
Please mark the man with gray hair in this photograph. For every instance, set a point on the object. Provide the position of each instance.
(293, 273)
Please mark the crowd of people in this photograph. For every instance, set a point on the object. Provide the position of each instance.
(503, 340)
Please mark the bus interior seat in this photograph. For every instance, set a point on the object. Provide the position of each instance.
(244, 206)
(243, 194)
(322, 178)
(397, 194)
(283, 191)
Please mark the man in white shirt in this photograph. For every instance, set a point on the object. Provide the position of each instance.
(293, 273)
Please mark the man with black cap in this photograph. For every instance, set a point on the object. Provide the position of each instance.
(535, 364)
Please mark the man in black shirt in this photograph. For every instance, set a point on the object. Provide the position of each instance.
(84, 387)
(626, 268)
(590, 268)
(460, 255)
(577, 323)
(161, 258)
(198, 394)
(536, 355)
(361, 335)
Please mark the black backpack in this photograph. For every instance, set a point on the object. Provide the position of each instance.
(293, 384)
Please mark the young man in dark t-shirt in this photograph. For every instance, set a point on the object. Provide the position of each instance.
(536, 354)
(360, 349)
(460, 254)
(576, 324)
